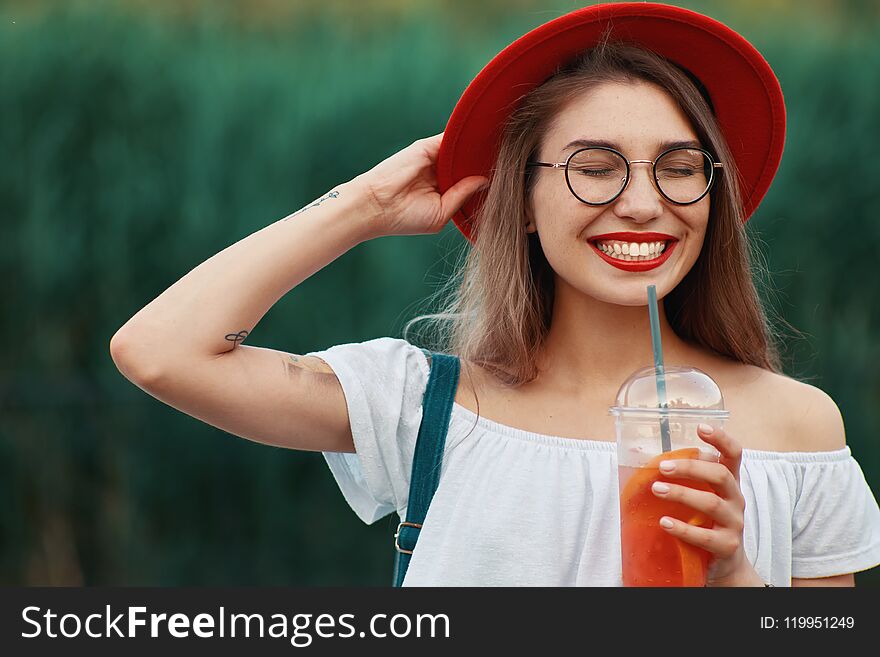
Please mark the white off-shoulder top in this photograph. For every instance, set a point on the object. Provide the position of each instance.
(516, 508)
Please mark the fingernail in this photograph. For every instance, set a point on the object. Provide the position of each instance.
(666, 522)
(667, 466)
(660, 487)
(706, 429)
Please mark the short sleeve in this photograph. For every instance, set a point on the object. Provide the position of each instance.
(836, 520)
(384, 381)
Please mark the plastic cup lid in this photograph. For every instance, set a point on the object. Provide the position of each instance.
(689, 392)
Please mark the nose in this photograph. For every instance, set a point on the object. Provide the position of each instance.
(640, 200)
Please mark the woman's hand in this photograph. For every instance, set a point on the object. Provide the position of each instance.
(728, 565)
(403, 190)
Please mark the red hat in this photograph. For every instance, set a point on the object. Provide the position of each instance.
(742, 88)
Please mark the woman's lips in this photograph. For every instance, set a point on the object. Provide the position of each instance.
(636, 265)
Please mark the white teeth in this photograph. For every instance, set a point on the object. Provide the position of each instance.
(632, 251)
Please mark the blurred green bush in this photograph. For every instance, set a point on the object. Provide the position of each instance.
(138, 144)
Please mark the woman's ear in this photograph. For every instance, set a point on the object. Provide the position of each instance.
(530, 223)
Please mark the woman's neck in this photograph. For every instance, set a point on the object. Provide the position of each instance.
(591, 341)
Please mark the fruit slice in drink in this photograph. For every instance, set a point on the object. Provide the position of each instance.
(651, 556)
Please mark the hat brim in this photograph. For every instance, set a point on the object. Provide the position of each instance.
(744, 91)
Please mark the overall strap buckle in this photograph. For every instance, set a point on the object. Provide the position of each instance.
(414, 525)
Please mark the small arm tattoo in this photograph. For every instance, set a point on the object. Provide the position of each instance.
(236, 338)
(294, 365)
(333, 194)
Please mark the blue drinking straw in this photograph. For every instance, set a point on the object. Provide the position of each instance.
(660, 377)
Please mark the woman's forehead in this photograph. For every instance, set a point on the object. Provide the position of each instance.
(626, 116)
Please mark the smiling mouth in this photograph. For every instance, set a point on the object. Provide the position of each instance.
(632, 251)
(634, 256)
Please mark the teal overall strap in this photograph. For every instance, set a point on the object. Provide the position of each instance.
(428, 456)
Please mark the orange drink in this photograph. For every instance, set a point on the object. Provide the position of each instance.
(650, 555)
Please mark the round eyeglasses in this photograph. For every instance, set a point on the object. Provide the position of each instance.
(598, 175)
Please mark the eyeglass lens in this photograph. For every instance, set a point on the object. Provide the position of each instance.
(597, 175)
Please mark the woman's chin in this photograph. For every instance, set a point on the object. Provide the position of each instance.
(629, 293)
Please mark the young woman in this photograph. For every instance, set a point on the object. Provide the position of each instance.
(639, 140)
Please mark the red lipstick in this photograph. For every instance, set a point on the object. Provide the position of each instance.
(629, 236)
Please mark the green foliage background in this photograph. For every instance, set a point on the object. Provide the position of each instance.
(141, 138)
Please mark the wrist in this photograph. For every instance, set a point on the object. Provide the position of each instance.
(369, 213)
(746, 575)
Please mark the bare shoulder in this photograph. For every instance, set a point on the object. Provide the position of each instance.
(812, 420)
(775, 412)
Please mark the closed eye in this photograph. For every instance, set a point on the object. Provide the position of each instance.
(595, 172)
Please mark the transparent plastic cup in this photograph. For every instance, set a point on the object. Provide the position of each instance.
(650, 555)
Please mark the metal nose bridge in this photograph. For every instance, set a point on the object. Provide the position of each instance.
(629, 177)
(652, 180)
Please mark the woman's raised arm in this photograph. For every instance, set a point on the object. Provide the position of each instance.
(209, 311)
(184, 346)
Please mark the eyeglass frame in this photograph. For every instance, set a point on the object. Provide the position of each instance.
(653, 163)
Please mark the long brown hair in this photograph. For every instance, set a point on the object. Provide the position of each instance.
(497, 309)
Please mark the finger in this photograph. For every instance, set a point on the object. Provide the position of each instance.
(455, 196)
(717, 475)
(431, 144)
(731, 450)
(721, 543)
(723, 512)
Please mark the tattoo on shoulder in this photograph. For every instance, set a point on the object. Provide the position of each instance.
(333, 194)
(236, 338)
(293, 363)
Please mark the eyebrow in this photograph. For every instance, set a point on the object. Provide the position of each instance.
(663, 146)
